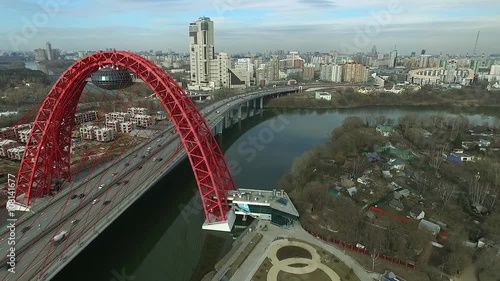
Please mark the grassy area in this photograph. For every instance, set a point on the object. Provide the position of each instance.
(243, 255)
(344, 272)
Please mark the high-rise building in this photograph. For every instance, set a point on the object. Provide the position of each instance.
(201, 50)
(48, 49)
(354, 72)
(450, 71)
(219, 74)
(424, 60)
(392, 59)
(331, 73)
(40, 55)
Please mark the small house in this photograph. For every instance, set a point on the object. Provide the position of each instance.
(416, 213)
(346, 183)
(459, 157)
(372, 157)
(334, 190)
(479, 209)
(352, 191)
(396, 164)
(401, 193)
(481, 131)
(386, 174)
(386, 131)
(396, 205)
(484, 143)
(429, 226)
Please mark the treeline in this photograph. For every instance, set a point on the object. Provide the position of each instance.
(11, 78)
(426, 96)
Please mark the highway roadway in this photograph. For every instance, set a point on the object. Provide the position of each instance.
(134, 173)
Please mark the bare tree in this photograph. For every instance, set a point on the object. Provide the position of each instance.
(375, 242)
(494, 175)
(478, 191)
(437, 155)
(356, 165)
(445, 190)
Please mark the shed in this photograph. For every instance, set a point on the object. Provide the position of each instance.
(396, 205)
(429, 226)
(417, 213)
(352, 191)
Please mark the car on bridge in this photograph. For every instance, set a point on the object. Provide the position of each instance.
(95, 201)
(74, 221)
(81, 195)
(26, 229)
(101, 186)
(105, 203)
(125, 182)
(74, 196)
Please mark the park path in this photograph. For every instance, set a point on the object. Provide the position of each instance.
(255, 259)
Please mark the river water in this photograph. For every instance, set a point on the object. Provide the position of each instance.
(160, 237)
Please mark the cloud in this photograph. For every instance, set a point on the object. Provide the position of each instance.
(242, 25)
(319, 3)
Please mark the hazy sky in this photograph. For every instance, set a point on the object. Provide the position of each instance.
(448, 26)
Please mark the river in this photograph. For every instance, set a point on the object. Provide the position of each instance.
(160, 237)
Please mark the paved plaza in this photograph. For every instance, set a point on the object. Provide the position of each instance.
(296, 265)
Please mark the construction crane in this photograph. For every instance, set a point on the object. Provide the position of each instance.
(475, 46)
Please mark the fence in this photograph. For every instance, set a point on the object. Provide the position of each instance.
(407, 264)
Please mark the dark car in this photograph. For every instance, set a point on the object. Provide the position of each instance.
(159, 159)
(143, 156)
(26, 229)
(139, 168)
(159, 145)
(125, 182)
(127, 164)
(106, 202)
(81, 196)
(73, 196)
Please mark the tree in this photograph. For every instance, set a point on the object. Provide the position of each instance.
(375, 242)
(352, 122)
(478, 190)
(445, 190)
(488, 264)
(316, 193)
(437, 155)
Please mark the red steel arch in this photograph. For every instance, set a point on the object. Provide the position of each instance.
(47, 153)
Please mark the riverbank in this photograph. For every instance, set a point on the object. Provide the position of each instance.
(469, 98)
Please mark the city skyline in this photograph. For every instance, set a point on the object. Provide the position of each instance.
(240, 26)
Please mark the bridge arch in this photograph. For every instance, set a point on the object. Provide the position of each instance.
(47, 153)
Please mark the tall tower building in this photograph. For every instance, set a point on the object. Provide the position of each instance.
(392, 59)
(48, 49)
(201, 50)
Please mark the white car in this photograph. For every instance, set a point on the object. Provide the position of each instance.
(95, 201)
(101, 186)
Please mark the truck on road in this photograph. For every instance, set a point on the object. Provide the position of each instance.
(59, 237)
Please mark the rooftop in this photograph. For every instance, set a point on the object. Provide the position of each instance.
(278, 200)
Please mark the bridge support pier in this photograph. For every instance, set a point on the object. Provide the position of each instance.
(261, 103)
(239, 112)
(225, 226)
(254, 103)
